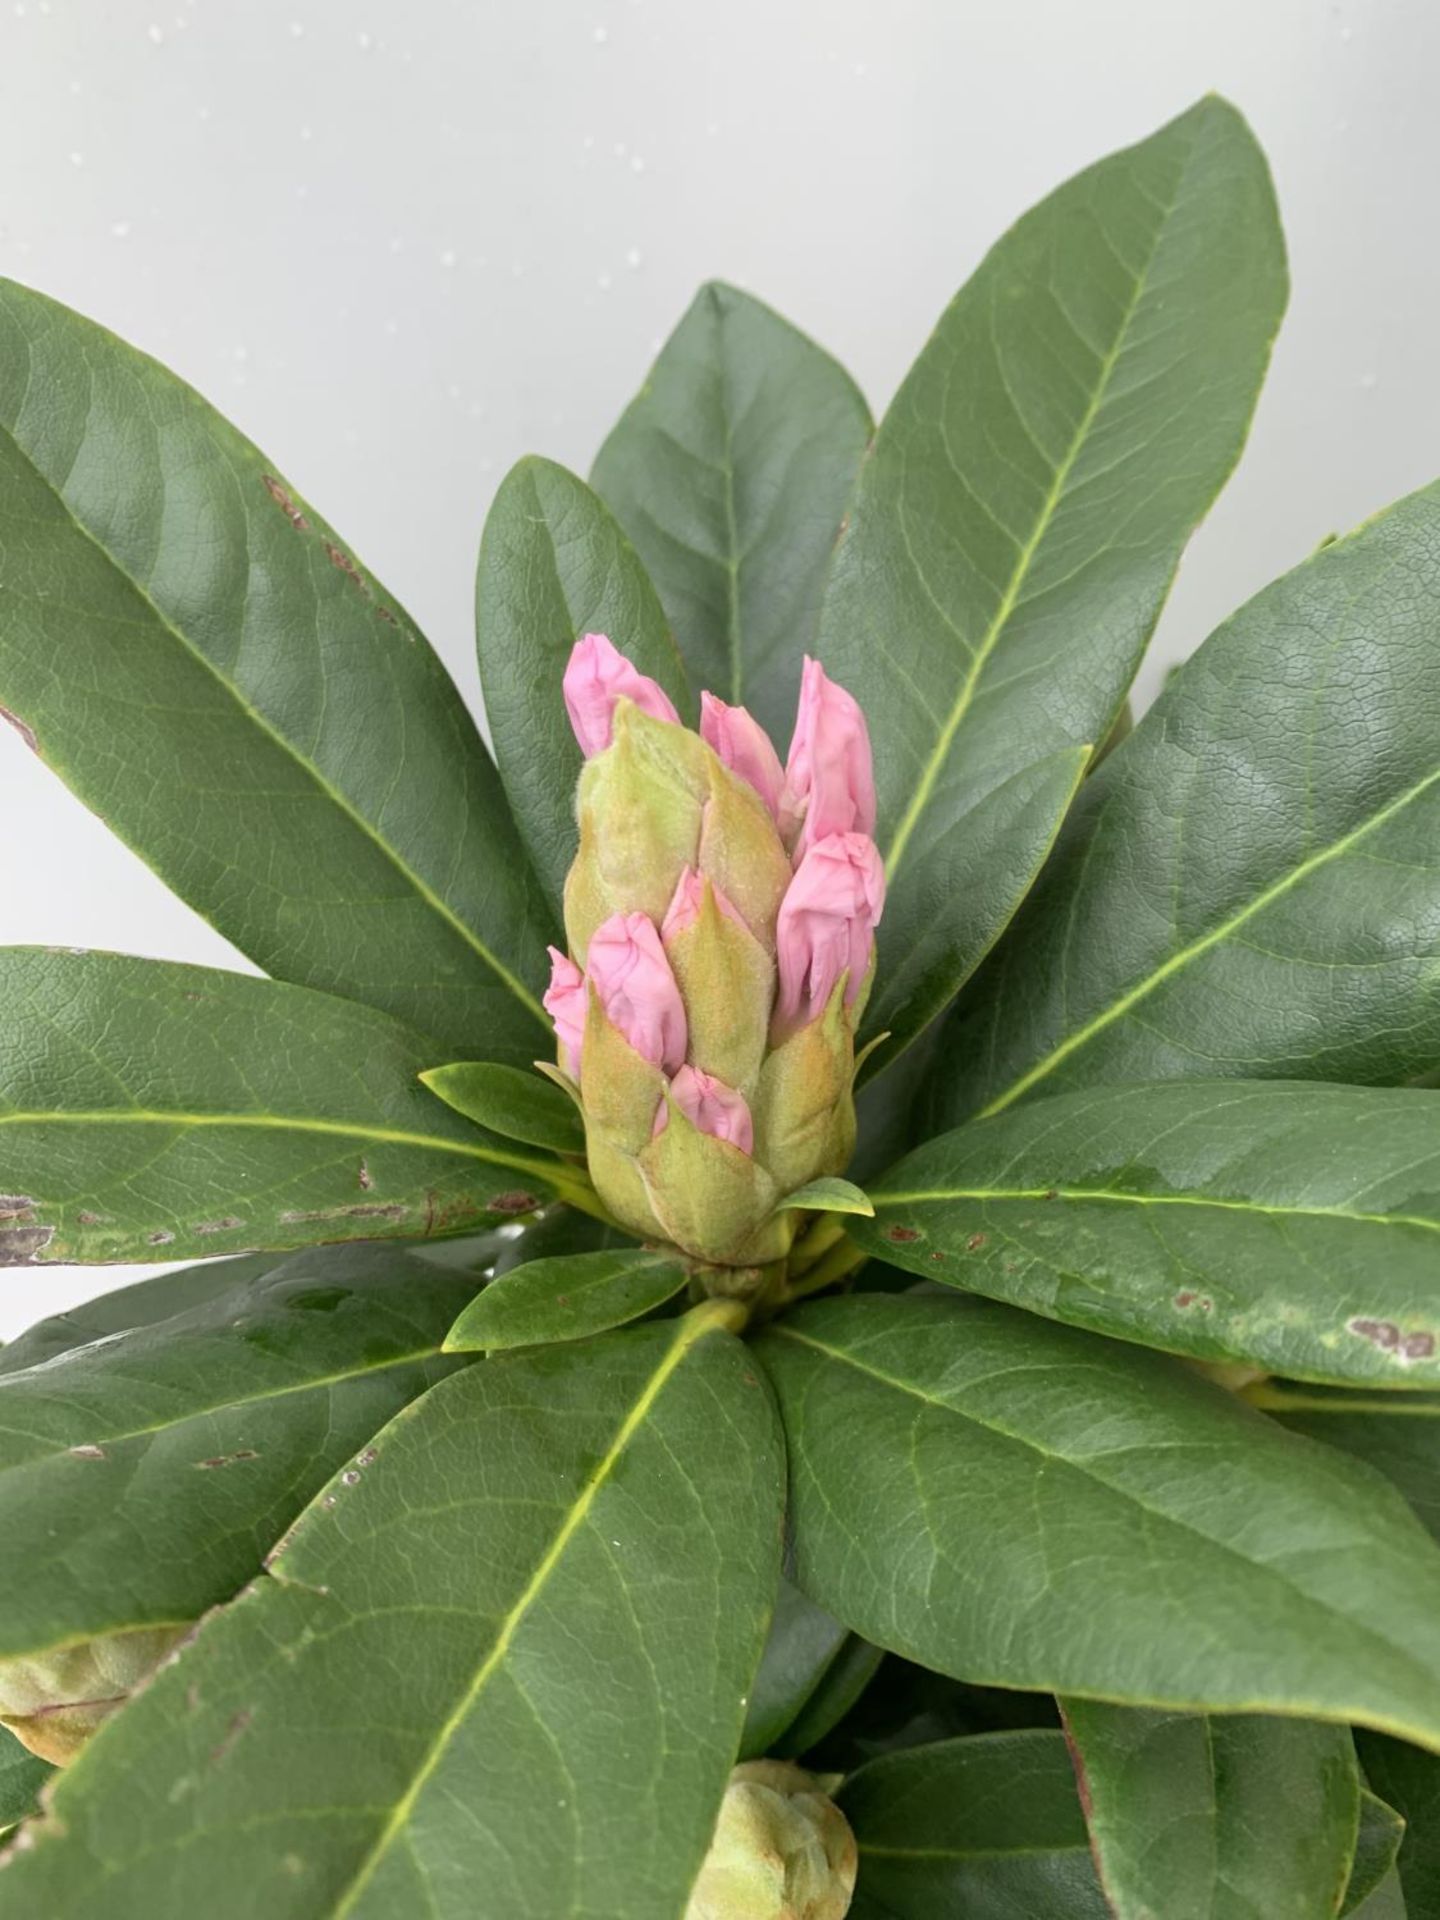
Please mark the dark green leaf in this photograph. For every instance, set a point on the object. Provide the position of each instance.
(1376, 1845)
(559, 1230)
(144, 1473)
(514, 1104)
(1293, 1226)
(731, 471)
(21, 1778)
(965, 887)
(1217, 1816)
(1397, 1433)
(803, 1642)
(840, 1686)
(988, 1827)
(554, 565)
(1022, 1504)
(911, 1706)
(1249, 886)
(1386, 1902)
(203, 661)
(568, 1298)
(504, 1665)
(1409, 1781)
(154, 1109)
(1031, 489)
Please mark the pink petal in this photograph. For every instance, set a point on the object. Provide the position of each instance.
(710, 1106)
(826, 925)
(829, 771)
(627, 967)
(684, 908)
(565, 1002)
(738, 738)
(596, 677)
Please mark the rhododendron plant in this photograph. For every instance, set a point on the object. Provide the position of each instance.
(813, 1279)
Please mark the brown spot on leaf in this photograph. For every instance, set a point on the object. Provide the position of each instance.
(238, 1723)
(87, 1219)
(1418, 1346)
(27, 734)
(901, 1235)
(87, 1453)
(367, 1180)
(338, 558)
(20, 1245)
(227, 1459)
(12, 1205)
(227, 1225)
(1380, 1333)
(286, 505)
(160, 1238)
(516, 1202)
(367, 1457)
(937, 1255)
(975, 1242)
(1186, 1299)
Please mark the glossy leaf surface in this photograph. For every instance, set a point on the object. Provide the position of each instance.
(966, 887)
(520, 1523)
(731, 471)
(204, 662)
(517, 1105)
(553, 565)
(1025, 1505)
(988, 1827)
(145, 1473)
(1249, 886)
(1217, 1816)
(1293, 1226)
(1397, 1433)
(567, 1298)
(154, 1109)
(1076, 410)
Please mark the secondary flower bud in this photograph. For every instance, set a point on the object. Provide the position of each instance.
(745, 747)
(566, 1002)
(826, 926)
(596, 677)
(711, 1107)
(633, 983)
(829, 770)
(782, 1850)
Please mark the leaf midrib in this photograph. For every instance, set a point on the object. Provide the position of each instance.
(1050, 506)
(273, 1122)
(714, 1316)
(333, 793)
(1181, 959)
(1107, 1198)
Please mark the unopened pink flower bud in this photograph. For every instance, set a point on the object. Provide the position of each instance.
(626, 965)
(829, 771)
(738, 738)
(685, 904)
(826, 925)
(565, 1003)
(710, 1107)
(596, 677)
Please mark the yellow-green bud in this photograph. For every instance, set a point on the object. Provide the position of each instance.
(52, 1702)
(782, 1850)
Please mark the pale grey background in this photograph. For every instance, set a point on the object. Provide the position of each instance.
(404, 243)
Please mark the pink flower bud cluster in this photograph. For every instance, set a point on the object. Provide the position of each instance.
(823, 804)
